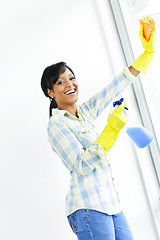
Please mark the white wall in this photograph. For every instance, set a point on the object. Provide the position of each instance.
(33, 181)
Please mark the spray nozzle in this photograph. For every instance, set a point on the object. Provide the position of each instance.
(119, 103)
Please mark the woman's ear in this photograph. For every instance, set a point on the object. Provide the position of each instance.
(50, 93)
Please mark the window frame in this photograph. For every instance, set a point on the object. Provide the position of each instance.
(150, 172)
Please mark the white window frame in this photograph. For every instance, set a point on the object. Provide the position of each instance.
(150, 171)
(121, 18)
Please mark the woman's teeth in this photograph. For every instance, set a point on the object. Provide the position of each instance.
(70, 92)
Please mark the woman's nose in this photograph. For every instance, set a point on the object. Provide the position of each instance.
(69, 83)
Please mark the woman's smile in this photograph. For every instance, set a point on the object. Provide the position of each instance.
(71, 92)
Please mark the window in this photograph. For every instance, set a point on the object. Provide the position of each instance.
(146, 91)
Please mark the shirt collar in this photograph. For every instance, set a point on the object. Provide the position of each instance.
(56, 111)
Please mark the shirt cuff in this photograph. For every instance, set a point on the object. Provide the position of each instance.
(97, 154)
(129, 75)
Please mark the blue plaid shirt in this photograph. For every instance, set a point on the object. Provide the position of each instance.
(73, 139)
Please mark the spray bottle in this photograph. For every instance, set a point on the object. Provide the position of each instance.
(138, 134)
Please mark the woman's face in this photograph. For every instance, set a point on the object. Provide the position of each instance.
(61, 89)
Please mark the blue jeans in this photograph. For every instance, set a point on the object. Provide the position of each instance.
(90, 224)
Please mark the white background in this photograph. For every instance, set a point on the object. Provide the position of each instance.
(33, 181)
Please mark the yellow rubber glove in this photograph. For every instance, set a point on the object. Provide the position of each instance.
(116, 121)
(143, 62)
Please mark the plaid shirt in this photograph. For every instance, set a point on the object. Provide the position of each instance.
(73, 139)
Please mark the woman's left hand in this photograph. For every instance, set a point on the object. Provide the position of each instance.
(148, 46)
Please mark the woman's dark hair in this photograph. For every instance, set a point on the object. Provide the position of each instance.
(50, 77)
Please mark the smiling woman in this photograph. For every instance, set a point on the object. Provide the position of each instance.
(59, 84)
(65, 92)
(74, 139)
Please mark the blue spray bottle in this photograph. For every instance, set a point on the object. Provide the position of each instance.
(139, 135)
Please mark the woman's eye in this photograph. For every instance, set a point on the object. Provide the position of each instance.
(60, 82)
(63, 81)
(72, 78)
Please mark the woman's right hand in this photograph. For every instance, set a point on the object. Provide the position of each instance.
(117, 119)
